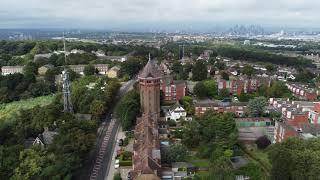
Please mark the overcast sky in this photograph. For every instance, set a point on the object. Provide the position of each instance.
(122, 13)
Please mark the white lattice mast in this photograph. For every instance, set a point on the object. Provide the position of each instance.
(67, 103)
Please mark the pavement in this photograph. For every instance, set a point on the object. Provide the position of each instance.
(109, 174)
(106, 140)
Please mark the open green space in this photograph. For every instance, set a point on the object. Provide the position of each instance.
(8, 109)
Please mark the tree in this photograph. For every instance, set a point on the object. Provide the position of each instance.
(9, 160)
(200, 90)
(224, 93)
(211, 130)
(131, 67)
(199, 71)
(278, 89)
(225, 75)
(248, 70)
(263, 142)
(117, 176)
(211, 87)
(220, 65)
(257, 106)
(177, 67)
(175, 153)
(97, 108)
(89, 70)
(72, 75)
(253, 170)
(187, 104)
(128, 109)
(295, 159)
(270, 67)
(31, 164)
(244, 97)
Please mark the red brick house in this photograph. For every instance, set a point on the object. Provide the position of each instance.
(284, 131)
(302, 92)
(295, 115)
(242, 84)
(238, 108)
(173, 90)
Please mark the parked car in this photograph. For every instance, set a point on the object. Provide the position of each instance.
(116, 164)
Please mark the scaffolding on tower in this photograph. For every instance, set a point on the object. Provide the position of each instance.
(67, 103)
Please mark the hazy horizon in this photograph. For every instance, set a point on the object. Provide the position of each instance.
(157, 14)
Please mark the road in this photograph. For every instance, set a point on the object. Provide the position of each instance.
(107, 139)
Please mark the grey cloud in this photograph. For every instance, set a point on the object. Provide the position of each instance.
(97, 12)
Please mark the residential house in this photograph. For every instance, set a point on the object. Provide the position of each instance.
(78, 68)
(77, 51)
(99, 53)
(38, 57)
(114, 72)
(238, 108)
(182, 170)
(302, 92)
(46, 138)
(173, 90)
(284, 131)
(43, 69)
(296, 116)
(6, 70)
(176, 112)
(242, 84)
(294, 112)
(314, 114)
(102, 68)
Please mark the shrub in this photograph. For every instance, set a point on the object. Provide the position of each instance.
(125, 163)
(263, 142)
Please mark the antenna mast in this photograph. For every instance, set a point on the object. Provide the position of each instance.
(67, 103)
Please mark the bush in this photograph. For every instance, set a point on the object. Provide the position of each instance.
(125, 163)
(117, 176)
(263, 142)
(172, 123)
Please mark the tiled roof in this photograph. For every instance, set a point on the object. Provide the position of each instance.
(150, 70)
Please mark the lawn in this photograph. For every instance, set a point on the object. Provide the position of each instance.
(8, 109)
(203, 163)
(203, 175)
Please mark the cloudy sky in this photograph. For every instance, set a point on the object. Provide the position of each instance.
(123, 13)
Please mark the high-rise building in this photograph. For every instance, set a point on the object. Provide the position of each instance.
(146, 148)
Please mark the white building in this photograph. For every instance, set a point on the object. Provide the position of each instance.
(6, 70)
(176, 112)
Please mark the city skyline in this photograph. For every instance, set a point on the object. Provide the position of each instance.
(135, 14)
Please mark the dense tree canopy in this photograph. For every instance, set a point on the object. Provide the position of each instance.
(200, 90)
(210, 132)
(295, 159)
(128, 109)
(199, 71)
(257, 106)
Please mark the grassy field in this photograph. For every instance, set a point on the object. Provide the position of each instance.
(8, 109)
